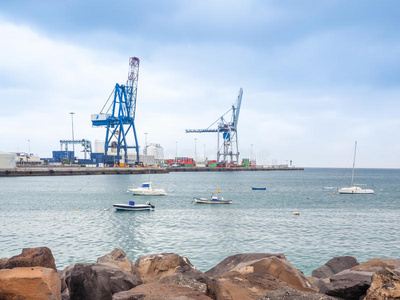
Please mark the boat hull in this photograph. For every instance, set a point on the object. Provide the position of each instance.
(211, 201)
(147, 192)
(136, 207)
(258, 189)
(355, 190)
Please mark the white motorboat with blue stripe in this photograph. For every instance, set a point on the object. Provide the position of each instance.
(135, 207)
(147, 190)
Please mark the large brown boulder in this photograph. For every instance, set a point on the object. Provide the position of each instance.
(376, 264)
(157, 291)
(250, 276)
(31, 257)
(293, 294)
(275, 266)
(385, 286)
(243, 286)
(171, 268)
(30, 283)
(98, 281)
(334, 266)
(232, 261)
(118, 258)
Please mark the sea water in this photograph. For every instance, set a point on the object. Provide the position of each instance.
(73, 216)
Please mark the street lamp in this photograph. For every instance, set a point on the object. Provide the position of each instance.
(73, 141)
(251, 153)
(145, 143)
(195, 152)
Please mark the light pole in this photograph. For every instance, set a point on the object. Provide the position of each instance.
(145, 143)
(73, 141)
(29, 147)
(195, 144)
(251, 153)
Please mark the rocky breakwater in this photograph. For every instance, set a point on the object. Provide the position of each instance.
(33, 275)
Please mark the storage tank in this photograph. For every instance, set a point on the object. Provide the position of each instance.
(156, 150)
(98, 146)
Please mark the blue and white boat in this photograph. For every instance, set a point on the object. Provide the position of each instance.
(214, 200)
(147, 190)
(258, 188)
(134, 207)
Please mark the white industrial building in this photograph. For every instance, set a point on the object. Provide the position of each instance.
(154, 154)
(7, 160)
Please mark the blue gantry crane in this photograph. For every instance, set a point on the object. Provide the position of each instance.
(227, 143)
(118, 116)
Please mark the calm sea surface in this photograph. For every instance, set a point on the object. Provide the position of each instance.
(67, 215)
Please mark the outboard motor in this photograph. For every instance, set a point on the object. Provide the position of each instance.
(148, 203)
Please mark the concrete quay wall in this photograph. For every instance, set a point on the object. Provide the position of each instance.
(67, 171)
(75, 170)
(234, 169)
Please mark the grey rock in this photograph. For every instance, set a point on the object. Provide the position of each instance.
(334, 266)
(157, 291)
(293, 294)
(98, 281)
(196, 283)
(347, 284)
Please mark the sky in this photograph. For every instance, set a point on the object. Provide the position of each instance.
(316, 75)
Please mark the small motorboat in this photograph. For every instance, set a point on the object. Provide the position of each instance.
(135, 207)
(147, 190)
(258, 188)
(214, 200)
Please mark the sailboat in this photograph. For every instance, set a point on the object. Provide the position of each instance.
(354, 189)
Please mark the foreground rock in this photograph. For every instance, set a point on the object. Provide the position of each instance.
(119, 259)
(232, 261)
(377, 264)
(171, 268)
(385, 286)
(30, 283)
(334, 266)
(293, 294)
(30, 257)
(354, 283)
(157, 291)
(98, 281)
(249, 276)
(347, 284)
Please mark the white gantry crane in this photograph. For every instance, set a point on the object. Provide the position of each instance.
(227, 143)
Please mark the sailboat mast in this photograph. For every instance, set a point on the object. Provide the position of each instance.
(354, 163)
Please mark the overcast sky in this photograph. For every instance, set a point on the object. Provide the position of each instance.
(317, 75)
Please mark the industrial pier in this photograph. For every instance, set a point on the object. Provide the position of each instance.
(68, 171)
